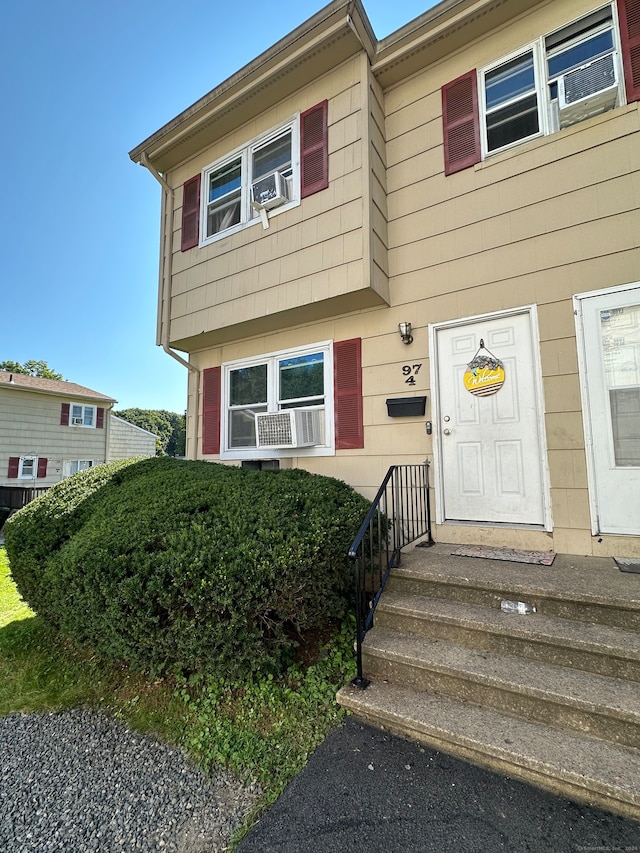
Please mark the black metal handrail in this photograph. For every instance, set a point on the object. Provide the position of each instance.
(399, 514)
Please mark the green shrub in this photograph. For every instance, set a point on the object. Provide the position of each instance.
(40, 528)
(189, 566)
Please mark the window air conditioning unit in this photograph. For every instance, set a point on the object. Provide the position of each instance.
(289, 428)
(588, 90)
(269, 192)
(77, 421)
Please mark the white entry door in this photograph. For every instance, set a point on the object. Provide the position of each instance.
(490, 447)
(610, 373)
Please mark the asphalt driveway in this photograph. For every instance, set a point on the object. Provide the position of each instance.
(365, 791)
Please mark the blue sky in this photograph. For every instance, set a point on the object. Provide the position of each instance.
(81, 84)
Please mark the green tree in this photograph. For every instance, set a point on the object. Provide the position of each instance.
(31, 368)
(168, 426)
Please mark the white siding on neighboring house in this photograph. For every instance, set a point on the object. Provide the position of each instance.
(127, 440)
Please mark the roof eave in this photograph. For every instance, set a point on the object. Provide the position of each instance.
(335, 33)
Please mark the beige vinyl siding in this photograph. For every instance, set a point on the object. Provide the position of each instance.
(533, 225)
(30, 425)
(310, 256)
(536, 224)
(127, 440)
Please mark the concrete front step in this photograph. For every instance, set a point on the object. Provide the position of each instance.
(586, 646)
(587, 590)
(598, 705)
(578, 767)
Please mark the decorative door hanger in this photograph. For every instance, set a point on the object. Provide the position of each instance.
(484, 374)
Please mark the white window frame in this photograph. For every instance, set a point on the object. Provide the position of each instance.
(534, 48)
(542, 80)
(83, 416)
(272, 359)
(249, 216)
(68, 466)
(34, 472)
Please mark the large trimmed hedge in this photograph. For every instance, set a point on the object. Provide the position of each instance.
(187, 566)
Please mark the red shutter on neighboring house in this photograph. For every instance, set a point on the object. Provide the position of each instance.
(629, 15)
(314, 153)
(14, 465)
(461, 123)
(42, 466)
(100, 418)
(211, 410)
(347, 389)
(190, 213)
(64, 414)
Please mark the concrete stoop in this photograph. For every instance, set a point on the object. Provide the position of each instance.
(552, 698)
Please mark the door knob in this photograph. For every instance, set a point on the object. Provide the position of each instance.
(446, 431)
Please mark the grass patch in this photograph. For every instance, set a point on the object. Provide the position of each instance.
(41, 671)
(12, 607)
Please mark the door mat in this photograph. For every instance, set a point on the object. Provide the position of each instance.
(511, 555)
(628, 564)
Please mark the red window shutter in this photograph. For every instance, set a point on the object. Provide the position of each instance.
(461, 123)
(64, 414)
(42, 466)
(100, 418)
(211, 378)
(14, 465)
(314, 149)
(347, 391)
(190, 213)
(629, 16)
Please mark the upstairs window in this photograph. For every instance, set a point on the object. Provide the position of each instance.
(269, 174)
(511, 102)
(79, 415)
(561, 79)
(82, 415)
(578, 71)
(228, 183)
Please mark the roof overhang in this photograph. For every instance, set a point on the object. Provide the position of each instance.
(441, 31)
(333, 35)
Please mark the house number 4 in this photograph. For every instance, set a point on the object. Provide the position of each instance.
(410, 371)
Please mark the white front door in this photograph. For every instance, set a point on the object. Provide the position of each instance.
(610, 374)
(490, 448)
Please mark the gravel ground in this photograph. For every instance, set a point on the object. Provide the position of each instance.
(77, 782)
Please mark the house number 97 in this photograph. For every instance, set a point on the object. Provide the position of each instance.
(410, 371)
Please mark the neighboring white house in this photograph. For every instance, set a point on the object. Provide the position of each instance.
(50, 429)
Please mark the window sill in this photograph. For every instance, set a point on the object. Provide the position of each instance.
(284, 453)
(242, 226)
(539, 142)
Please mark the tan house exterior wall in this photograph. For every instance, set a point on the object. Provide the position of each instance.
(535, 224)
(310, 258)
(128, 440)
(393, 239)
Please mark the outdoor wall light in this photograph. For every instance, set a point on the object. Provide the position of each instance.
(405, 333)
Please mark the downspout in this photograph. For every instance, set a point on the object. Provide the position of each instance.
(164, 290)
(107, 432)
